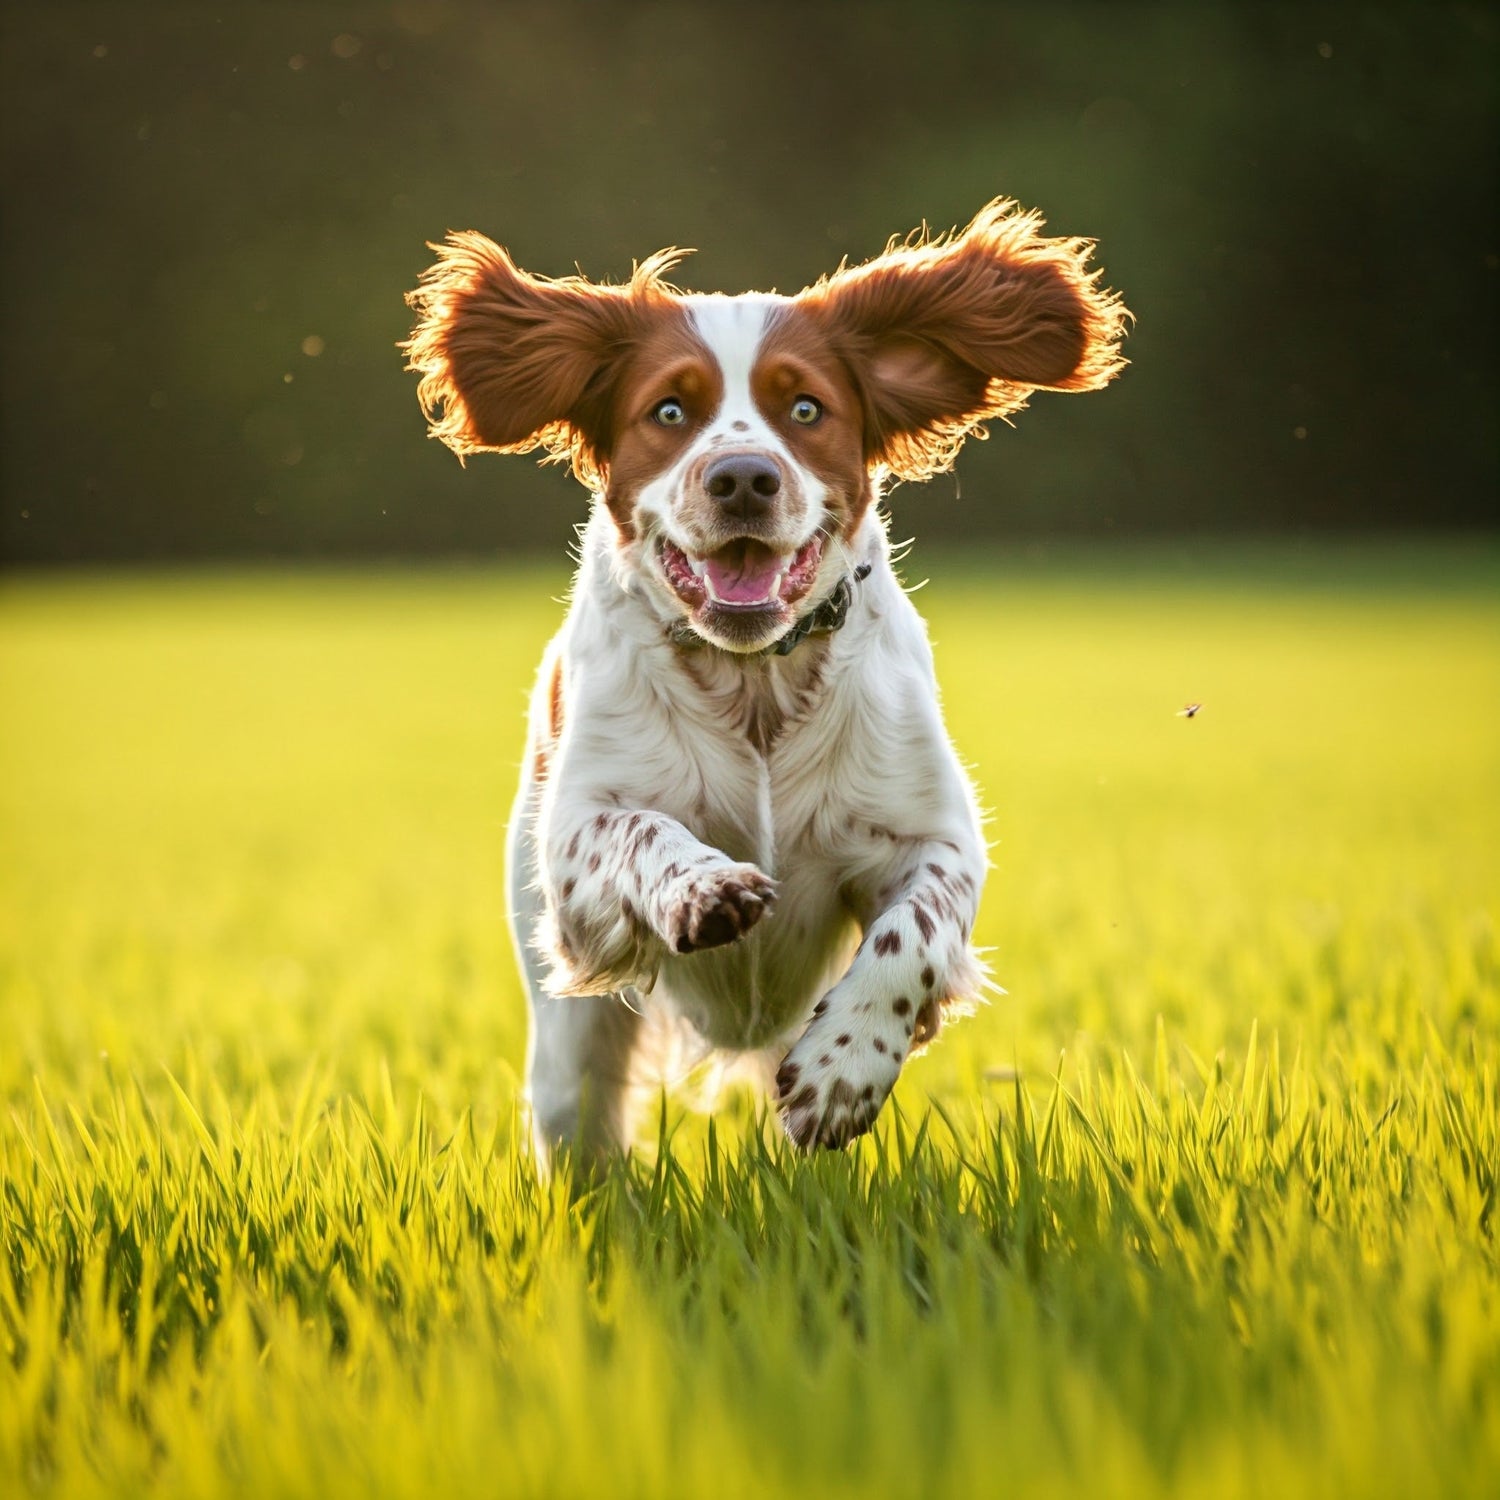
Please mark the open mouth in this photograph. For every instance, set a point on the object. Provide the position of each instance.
(742, 576)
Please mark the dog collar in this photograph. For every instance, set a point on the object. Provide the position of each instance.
(824, 620)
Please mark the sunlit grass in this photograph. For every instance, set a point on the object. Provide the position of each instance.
(1204, 1206)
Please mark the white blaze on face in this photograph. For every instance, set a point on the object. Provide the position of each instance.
(732, 329)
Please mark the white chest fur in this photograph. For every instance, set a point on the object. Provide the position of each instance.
(827, 769)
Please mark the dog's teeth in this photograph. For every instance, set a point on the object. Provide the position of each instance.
(699, 565)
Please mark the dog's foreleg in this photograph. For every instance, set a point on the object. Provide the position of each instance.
(623, 889)
(914, 957)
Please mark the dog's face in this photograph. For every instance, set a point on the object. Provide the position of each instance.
(737, 463)
(736, 441)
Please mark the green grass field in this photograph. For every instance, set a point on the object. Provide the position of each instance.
(1204, 1206)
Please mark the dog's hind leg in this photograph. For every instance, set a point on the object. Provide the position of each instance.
(578, 1077)
(581, 1048)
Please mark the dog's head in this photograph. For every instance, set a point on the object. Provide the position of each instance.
(738, 441)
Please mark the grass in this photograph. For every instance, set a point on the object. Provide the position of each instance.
(1204, 1206)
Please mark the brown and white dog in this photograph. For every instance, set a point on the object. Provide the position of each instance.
(740, 810)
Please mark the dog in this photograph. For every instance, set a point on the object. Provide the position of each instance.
(740, 812)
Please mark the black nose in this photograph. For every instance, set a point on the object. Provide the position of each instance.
(744, 484)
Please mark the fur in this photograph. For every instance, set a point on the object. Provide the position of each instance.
(779, 855)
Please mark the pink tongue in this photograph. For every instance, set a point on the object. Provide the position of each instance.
(743, 572)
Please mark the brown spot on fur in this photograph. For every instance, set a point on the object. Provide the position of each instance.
(928, 977)
(541, 763)
(842, 1040)
(573, 847)
(593, 862)
(601, 822)
(825, 1061)
(568, 887)
(887, 943)
(555, 699)
(925, 924)
(878, 1044)
(929, 1023)
(805, 1097)
(763, 720)
(901, 1006)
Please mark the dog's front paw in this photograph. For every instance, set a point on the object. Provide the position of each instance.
(833, 1082)
(715, 906)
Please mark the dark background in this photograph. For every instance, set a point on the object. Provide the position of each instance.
(211, 213)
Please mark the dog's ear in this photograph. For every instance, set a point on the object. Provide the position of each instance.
(944, 334)
(512, 362)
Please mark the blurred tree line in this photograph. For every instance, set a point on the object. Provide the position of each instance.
(211, 212)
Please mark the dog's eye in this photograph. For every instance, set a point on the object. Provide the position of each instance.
(669, 413)
(806, 411)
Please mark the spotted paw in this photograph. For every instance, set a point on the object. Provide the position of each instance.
(833, 1082)
(717, 906)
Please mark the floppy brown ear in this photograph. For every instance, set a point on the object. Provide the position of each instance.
(512, 362)
(944, 334)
